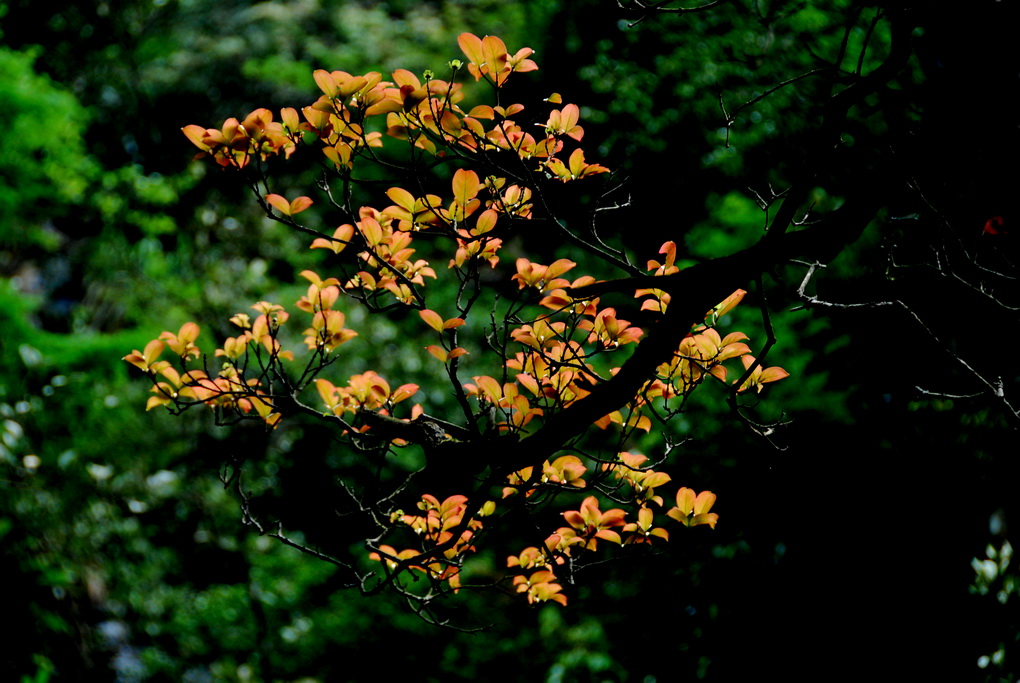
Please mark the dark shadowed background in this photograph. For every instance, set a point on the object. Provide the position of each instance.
(861, 546)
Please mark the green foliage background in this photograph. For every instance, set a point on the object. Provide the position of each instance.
(131, 561)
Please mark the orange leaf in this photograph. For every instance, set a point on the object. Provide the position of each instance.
(401, 197)
(279, 203)
(465, 186)
(432, 319)
(288, 208)
(486, 222)
(471, 46)
(326, 82)
(727, 305)
(196, 135)
(299, 205)
(437, 351)
(489, 386)
(773, 374)
(404, 391)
